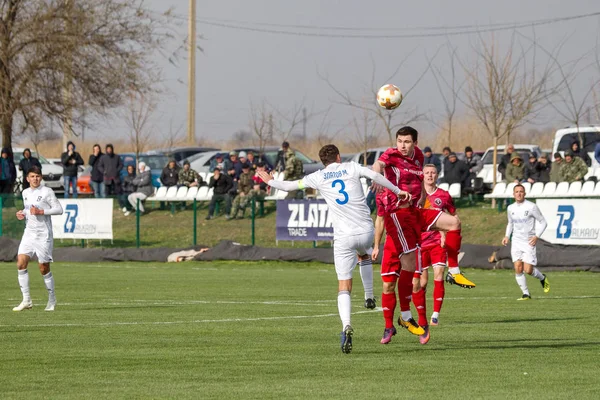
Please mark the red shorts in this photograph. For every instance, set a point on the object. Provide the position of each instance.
(403, 227)
(390, 262)
(433, 256)
(428, 217)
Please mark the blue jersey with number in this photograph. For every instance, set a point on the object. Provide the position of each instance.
(340, 186)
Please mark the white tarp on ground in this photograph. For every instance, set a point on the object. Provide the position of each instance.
(84, 219)
(571, 221)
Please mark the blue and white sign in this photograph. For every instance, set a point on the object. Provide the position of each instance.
(84, 219)
(571, 221)
(303, 220)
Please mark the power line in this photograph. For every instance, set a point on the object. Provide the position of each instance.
(446, 30)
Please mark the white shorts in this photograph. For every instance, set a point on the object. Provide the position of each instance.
(346, 250)
(42, 248)
(523, 252)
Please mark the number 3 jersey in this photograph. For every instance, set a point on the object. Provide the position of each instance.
(43, 198)
(340, 186)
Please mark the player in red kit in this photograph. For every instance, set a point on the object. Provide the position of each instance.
(403, 167)
(433, 250)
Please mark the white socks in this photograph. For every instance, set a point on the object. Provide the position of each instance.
(406, 315)
(344, 307)
(521, 280)
(49, 281)
(23, 276)
(537, 274)
(366, 274)
(454, 270)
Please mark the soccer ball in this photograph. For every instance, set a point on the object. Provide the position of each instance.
(389, 96)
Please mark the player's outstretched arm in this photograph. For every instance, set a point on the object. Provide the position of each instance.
(383, 181)
(286, 186)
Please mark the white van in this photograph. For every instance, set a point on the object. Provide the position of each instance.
(563, 138)
(51, 173)
(487, 172)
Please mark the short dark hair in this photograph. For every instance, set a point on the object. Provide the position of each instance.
(34, 170)
(518, 185)
(328, 154)
(406, 131)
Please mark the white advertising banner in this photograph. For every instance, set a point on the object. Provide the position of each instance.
(571, 221)
(84, 219)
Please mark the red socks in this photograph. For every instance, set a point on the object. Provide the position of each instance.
(438, 295)
(388, 303)
(405, 289)
(421, 306)
(453, 241)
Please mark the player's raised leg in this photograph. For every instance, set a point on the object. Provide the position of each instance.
(533, 271)
(451, 224)
(23, 277)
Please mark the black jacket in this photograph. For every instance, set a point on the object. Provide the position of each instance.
(110, 166)
(94, 162)
(127, 184)
(27, 163)
(582, 154)
(457, 172)
(11, 172)
(504, 161)
(537, 171)
(435, 160)
(170, 177)
(222, 185)
(70, 169)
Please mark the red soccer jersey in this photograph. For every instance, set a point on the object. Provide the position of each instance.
(438, 200)
(387, 202)
(404, 172)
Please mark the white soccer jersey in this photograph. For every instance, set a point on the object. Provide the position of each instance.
(524, 221)
(40, 226)
(340, 186)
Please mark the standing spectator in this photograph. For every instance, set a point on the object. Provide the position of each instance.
(71, 160)
(556, 166)
(578, 152)
(27, 162)
(222, 184)
(127, 187)
(244, 187)
(143, 187)
(474, 164)
(219, 162)
(430, 158)
(188, 176)
(294, 170)
(110, 167)
(280, 160)
(597, 152)
(455, 171)
(8, 172)
(544, 167)
(574, 168)
(515, 170)
(96, 179)
(506, 160)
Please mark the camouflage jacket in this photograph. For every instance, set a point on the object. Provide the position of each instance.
(293, 166)
(573, 171)
(187, 178)
(555, 171)
(245, 183)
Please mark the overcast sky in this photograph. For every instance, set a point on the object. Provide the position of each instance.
(239, 66)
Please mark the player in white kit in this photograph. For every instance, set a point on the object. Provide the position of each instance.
(526, 224)
(339, 184)
(40, 203)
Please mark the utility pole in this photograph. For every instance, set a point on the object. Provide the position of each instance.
(304, 123)
(68, 83)
(191, 128)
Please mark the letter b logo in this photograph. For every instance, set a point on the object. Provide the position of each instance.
(566, 214)
(72, 210)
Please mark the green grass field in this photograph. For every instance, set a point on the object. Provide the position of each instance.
(270, 331)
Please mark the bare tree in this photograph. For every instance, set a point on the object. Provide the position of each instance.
(98, 51)
(505, 89)
(242, 137)
(137, 117)
(261, 124)
(37, 137)
(390, 119)
(366, 132)
(173, 137)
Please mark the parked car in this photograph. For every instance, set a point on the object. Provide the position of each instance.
(367, 158)
(51, 173)
(83, 181)
(57, 161)
(182, 153)
(154, 159)
(270, 157)
(487, 172)
(201, 162)
(563, 138)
